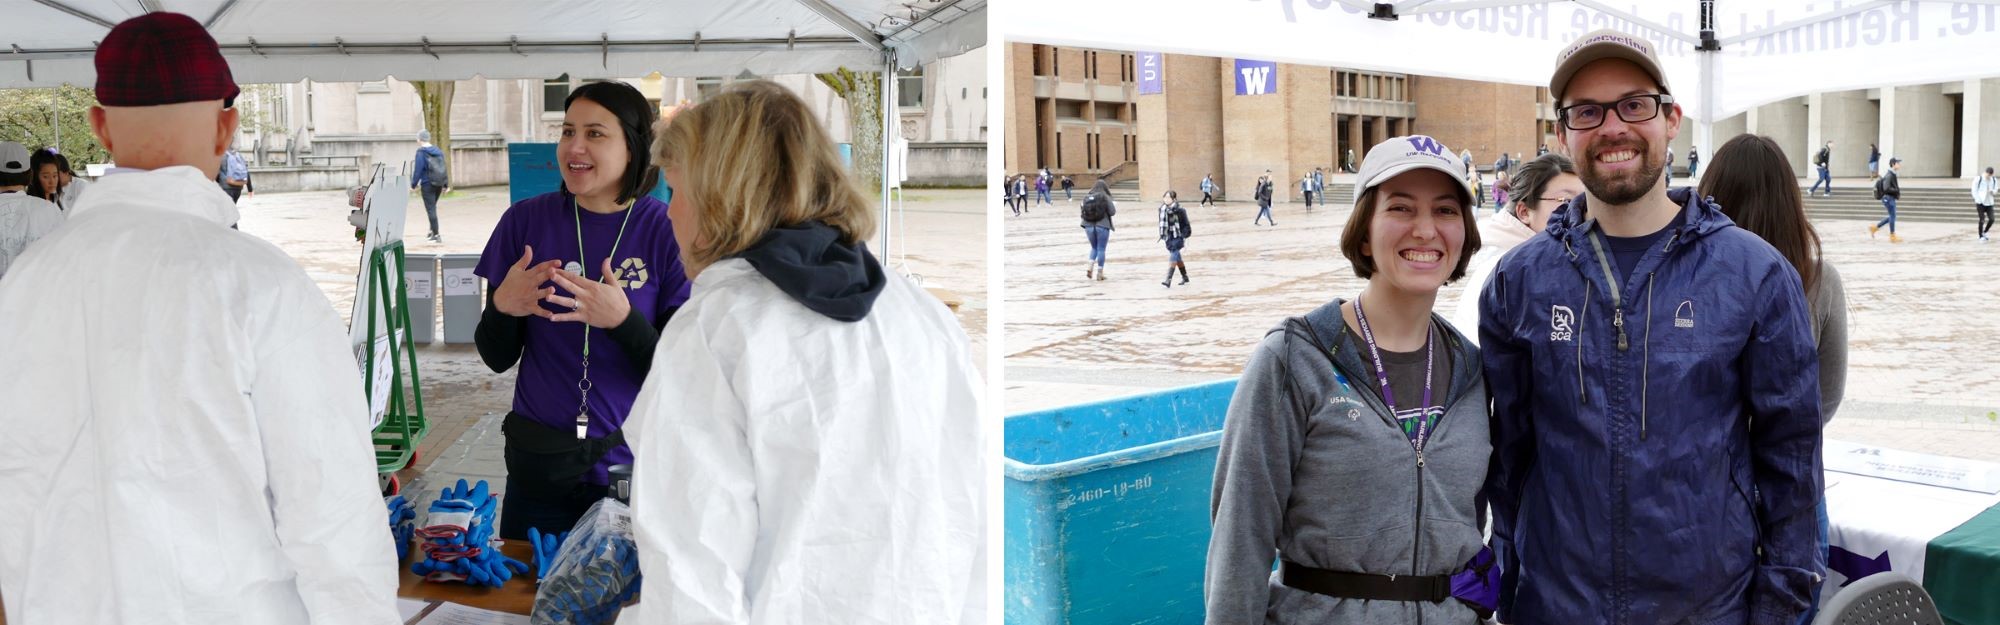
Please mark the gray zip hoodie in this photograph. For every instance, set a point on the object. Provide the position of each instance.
(1313, 467)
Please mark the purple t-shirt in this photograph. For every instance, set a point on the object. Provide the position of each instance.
(647, 262)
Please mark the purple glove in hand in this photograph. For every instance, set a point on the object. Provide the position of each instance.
(1479, 584)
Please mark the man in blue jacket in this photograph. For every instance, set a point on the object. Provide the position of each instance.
(1656, 427)
(432, 176)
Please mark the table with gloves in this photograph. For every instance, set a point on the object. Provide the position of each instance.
(582, 576)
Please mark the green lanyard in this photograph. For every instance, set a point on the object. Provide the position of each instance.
(583, 384)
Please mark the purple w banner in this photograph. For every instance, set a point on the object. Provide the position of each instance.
(1150, 64)
(1256, 77)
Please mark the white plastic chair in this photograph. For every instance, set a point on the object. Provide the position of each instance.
(1880, 599)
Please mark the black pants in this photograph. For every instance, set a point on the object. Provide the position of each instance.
(1207, 199)
(431, 193)
(545, 470)
(235, 193)
(1985, 218)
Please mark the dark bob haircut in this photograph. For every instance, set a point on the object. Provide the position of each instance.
(1354, 237)
(635, 118)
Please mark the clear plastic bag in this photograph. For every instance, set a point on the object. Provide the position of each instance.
(596, 571)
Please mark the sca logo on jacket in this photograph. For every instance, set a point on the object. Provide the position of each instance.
(1561, 320)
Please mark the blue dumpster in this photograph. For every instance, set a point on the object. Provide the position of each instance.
(1107, 508)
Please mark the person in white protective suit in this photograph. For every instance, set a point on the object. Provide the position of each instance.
(183, 436)
(807, 445)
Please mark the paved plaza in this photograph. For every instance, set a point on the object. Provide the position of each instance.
(944, 243)
(1924, 325)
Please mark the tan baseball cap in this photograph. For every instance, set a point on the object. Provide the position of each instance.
(1400, 155)
(1604, 44)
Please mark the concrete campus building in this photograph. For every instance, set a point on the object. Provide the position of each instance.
(1078, 112)
(316, 135)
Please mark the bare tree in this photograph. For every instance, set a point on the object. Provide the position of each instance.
(863, 93)
(436, 97)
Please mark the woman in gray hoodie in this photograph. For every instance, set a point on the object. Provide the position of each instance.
(1356, 440)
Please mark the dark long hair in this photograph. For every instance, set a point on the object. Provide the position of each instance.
(1752, 180)
(635, 117)
(35, 162)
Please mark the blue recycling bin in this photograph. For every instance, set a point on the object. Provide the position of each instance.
(1107, 508)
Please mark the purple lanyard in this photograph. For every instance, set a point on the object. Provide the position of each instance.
(1382, 375)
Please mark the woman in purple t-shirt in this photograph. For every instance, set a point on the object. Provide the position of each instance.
(584, 279)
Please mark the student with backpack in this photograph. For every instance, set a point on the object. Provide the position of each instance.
(1263, 196)
(1983, 192)
(1174, 230)
(431, 174)
(1097, 211)
(1821, 161)
(1888, 191)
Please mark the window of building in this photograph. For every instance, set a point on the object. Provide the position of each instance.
(910, 88)
(554, 91)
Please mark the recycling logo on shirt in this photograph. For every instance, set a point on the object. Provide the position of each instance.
(631, 275)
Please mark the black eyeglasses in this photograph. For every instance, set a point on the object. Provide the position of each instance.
(1633, 110)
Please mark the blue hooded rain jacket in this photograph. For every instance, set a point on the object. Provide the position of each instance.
(1657, 442)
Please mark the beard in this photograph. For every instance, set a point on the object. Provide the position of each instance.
(1626, 187)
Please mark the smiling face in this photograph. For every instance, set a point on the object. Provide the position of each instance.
(1618, 160)
(1417, 233)
(592, 152)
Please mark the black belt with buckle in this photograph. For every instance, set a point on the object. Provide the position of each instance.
(1432, 588)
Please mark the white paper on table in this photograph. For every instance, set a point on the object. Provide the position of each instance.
(410, 608)
(449, 613)
(1905, 466)
(460, 281)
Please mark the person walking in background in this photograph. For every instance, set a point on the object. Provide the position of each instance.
(1874, 160)
(1889, 192)
(1021, 192)
(1983, 192)
(1306, 189)
(1208, 190)
(235, 175)
(1007, 194)
(1174, 231)
(1499, 166)
(1823, 161)
(1753, 183)
(1263, 195)
(1068, 184)
(1097, 212)
(1350, 161)
(1500, 191)
(1694, 158)
(1042, 190)
(432, 176)
(1319, 185)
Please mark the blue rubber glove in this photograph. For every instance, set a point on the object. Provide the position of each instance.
(546, 547)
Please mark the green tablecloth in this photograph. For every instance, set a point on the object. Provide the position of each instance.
(1962, 571)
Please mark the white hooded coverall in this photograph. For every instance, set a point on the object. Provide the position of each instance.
(790, 468)
(185, 437)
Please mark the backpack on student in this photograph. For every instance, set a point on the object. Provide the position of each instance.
(1094, 208)
(434, 172)
(1180, 214)
(1820, 159)
(1881, 187)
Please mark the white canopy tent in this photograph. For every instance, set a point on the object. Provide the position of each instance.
(52, 42)
(1754, 52)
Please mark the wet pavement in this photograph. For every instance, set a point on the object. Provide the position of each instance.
(1924, 326)
(943, 244)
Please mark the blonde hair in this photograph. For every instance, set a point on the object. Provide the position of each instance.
(753, 159)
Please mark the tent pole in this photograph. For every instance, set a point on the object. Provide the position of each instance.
(888, 116)
(1705, 53)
